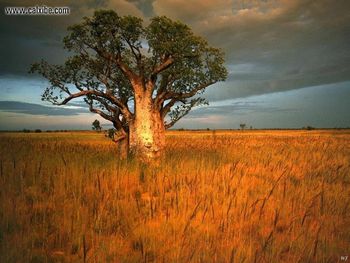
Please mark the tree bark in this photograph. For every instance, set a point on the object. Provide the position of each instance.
(123, 148)
(146, 130)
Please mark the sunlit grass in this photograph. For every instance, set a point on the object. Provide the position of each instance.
(218, 196)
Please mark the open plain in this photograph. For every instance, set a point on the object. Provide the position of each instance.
(217, 196)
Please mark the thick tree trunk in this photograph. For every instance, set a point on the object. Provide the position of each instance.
(147, 132)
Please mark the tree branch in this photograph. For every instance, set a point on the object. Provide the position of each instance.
(165, 64)
(170, 124)
(125, 69)
(190, 94)
(120, 138)
(117, 123)
(162, 90)
(115, 58)
(75, 95)
(181, 110)
(101, 113)
(125, 111)
(164, 111)
(166, 95)
(135, 51)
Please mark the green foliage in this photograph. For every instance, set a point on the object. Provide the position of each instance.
(96, 125)
(112, 53)
(111, 133)
(182, 109)
(195, 61)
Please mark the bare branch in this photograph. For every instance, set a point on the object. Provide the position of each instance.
(101, 113)
(120, 138)
(125, 111)
(110, 108)
(75, 95)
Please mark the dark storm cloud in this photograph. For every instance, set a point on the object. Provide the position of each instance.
(287, 44)
(27, 39)
(146, 6)
(37, 109)
(270, 45)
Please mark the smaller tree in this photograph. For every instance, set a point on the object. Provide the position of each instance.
(309, 128)
(96, 126)
(242, 125)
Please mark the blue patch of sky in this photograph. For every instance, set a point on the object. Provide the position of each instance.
(318, 106)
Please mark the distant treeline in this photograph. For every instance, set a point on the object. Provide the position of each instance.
(266, 129)
(309, 128)
(37, 130)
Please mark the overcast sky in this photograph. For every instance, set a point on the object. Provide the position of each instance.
(288, 61)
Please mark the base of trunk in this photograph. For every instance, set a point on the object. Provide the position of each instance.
(147, 145)
(145, 154)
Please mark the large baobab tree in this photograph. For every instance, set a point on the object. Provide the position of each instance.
(141, 78)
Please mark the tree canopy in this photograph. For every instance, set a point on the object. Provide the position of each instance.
(115, 57)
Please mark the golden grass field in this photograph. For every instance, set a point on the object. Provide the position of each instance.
(218, 196)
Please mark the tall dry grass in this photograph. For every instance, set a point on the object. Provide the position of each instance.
(216, 197)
